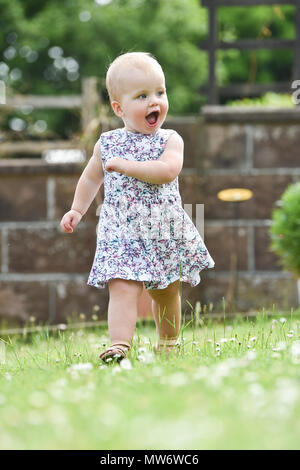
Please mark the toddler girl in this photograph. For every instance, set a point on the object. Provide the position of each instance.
(144, 235)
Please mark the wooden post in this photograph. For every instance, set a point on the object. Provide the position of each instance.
(213, 96)
(213, 44)
(91, 123)
(297, 44)
(90, 103)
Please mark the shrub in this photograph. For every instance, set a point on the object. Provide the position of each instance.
(285, 229)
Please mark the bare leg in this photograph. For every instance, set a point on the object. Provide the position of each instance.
(166, 307)
(123, 309)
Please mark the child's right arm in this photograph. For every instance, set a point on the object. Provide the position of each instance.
(87, 187)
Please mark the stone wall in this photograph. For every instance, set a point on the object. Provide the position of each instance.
(44, 272)
(256, 149)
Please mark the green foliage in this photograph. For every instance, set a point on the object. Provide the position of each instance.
(264, 22)
(268, 99)
(285, 229)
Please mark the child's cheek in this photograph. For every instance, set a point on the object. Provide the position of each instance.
(141, 112)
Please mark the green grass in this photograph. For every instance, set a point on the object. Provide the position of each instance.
(233, 385)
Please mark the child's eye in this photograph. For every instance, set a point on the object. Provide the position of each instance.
(160, 93)
(142, 96)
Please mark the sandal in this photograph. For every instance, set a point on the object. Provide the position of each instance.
(116, 352)
(166, 346)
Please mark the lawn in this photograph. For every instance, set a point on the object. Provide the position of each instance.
(235, 384)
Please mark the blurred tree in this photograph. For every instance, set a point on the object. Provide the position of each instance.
(260, 22)
(47, 47)
(58, 43)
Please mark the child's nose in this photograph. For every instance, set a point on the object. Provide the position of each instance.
(153, 100)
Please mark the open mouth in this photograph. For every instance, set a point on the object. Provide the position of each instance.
(152, 118)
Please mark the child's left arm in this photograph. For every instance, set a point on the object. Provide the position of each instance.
(161, 171)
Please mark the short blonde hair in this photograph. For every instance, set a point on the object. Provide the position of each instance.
(139, 60)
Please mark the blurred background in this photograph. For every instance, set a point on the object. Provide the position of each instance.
(232, 105)
(48, 47)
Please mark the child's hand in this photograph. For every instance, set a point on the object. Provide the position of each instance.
(116, 164)
(70, 220)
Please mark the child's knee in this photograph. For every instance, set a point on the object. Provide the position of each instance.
(170, 291)
(125, 287)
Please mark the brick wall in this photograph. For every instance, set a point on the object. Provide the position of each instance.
(44, 272)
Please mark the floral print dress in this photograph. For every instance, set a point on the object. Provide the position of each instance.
(144, 234)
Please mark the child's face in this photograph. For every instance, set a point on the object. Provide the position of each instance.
(143, 105)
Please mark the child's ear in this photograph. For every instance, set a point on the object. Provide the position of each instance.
(117, 108)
